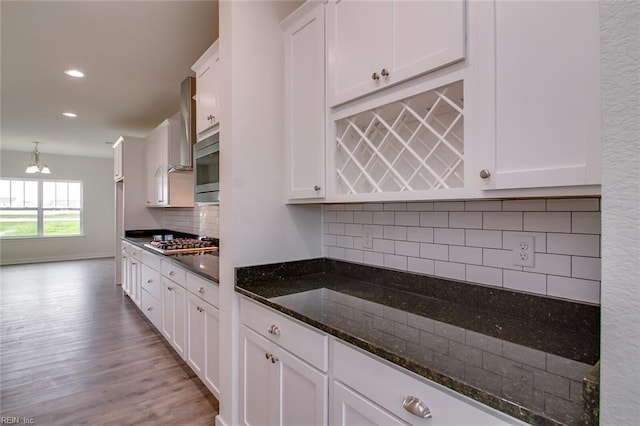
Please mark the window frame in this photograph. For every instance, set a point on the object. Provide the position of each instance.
(40, 209)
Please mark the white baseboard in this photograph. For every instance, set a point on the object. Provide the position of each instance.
(22, 261)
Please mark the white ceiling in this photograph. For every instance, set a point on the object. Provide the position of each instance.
(135, 54)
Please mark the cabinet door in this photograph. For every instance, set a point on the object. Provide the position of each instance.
(303, 391)
(126, 282)
(212, 350)
(195, 335)
(180, 320)
(360, 42)
(168, 310)
(375, 44)
(304, 105)
(135, 287)
(118, 151)
(541, 91)
(350, 408)
(258, 381)
(207, 100)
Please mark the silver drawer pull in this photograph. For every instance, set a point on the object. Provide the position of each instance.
(274, 359)
(171, 273)
(273, 329)
(201, 290)
(150, 308)
(169, 288)
(416, 407)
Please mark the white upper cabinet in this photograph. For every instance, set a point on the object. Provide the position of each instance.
(207, 71)
(165, 189)
(304, 102)
(376, 44)
(539, 82)
(118, 160)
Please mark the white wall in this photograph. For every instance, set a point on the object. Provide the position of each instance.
(256, 226)
(620, 377)
(96, 175)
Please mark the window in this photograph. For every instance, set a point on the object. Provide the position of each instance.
(40, 208)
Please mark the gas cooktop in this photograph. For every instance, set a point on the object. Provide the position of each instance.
(183, 245)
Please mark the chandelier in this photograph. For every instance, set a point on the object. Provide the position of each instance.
(35, 166)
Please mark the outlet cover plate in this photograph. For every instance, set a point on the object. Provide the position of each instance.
(367, 237)
(523, 253)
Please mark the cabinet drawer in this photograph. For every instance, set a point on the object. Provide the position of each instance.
(151, 282)
(388, 386)
(292, 335)
(206, 290)
(174, 273)
(151, 260)
(151, 309)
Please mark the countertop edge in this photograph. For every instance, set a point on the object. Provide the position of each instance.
(508, 407)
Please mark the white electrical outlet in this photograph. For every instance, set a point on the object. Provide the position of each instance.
(523, 253)
(367, 237)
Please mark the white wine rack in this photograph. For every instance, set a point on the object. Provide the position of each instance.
(413, 144)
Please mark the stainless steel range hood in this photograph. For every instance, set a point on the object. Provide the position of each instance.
(187, 125)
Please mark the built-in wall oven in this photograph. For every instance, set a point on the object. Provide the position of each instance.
(206, 156)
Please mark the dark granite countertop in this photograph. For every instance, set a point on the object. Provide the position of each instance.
(205, 264)
(525, 355)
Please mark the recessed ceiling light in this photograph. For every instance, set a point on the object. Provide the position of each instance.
(69, 114)
(74, 73)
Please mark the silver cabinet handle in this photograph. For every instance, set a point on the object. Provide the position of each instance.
(317, 188)
(134, 263)
(201, 290)
(375, 76)
(266, 355)
(199, 309)
(170, 288)
(484, 173)
(384, 72)
(171, 272)
(274, 359)
(150, 308)
(274, 329)
(415, 406)
(149, 281)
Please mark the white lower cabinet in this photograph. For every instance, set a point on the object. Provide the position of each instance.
(278, 387)
(174, 319)
(351, 408)
(203, 337)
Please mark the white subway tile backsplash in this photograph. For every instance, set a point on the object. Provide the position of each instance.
(395, 261)
(523, 205)
(383, 246)
(484, 275)
(407, 248)
(344, 241)
(373, 207)
(421, 266)
(420, 207)
(586, 267)
(395, 232)
(483, 206)
(344, 217)
(469, 220)
(450, 270)
(547, 221)
(353, 229)
(449, 206)
(499, 259)
(585, 222)
(525, 281)
(434, 219)
(408, 218)
(510, 221)
(383, 218)
(554, 264)
(573, 204)
(434, 251)
(472, 241)
(481, 238)
(448, 236)
(575, 289)
(574, 244)
(468, 255)
(363, 217)
(395, 206)
(336, 228)
(421, 235)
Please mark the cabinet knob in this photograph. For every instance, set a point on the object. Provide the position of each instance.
(134, 263)
(274, 359)
(149, 281)
(201, 290)
(317, 188)
(170, 288)
(150, 308)
(199, 309)
(266, 355)
(484, 173)
(375, 76)
(416, 407)
(274, 329)
(171, 273)
(384, 72)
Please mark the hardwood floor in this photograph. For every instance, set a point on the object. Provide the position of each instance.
(74, 350)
